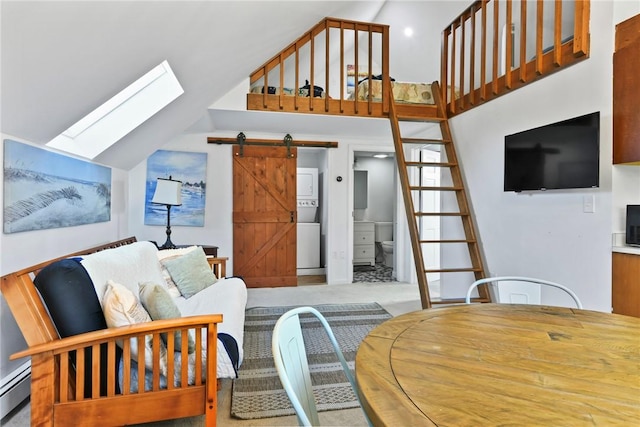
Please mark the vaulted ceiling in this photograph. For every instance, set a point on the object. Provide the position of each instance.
(62, 59)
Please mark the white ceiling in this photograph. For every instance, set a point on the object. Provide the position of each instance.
(61, 59)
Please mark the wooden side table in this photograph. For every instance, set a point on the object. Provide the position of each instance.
(210, 251)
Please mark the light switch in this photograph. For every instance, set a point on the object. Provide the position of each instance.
(588, 204)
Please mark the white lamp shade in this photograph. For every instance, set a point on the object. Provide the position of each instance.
(168, 192)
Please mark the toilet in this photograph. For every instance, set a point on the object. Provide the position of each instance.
(384, 241)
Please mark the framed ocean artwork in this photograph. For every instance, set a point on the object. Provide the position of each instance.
(185, 166)
(43, 190)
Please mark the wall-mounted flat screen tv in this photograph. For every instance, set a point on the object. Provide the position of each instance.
(559, 155)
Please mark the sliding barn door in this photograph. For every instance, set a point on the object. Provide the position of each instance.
(264, 216)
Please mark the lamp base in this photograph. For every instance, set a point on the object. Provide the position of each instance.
(168, 245)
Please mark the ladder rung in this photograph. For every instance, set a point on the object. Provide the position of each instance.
(441, 214)
(456, 185)
(448, 241)
(436, 164)
(402, 118)
(453, 270)
(425, 141)
(425, 188)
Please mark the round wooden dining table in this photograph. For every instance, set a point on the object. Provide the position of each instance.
(502, 364)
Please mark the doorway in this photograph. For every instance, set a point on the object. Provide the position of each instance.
(375, 197)
(312, 205)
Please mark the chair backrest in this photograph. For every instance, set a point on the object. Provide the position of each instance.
(291, 362)
(520, 290)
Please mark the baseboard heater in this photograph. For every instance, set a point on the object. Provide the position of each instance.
(14, 388)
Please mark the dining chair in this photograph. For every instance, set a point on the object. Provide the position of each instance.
(290, 357)
(520, 290)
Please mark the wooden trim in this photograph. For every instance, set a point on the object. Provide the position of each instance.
(463, 39)
(523, 41)
(539, 34)
(218, 266)
(483, 60)
(509, 47)
(496, 48)
(557, 34)
(472, 51)
(581, 29)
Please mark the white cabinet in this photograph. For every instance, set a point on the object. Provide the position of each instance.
(364, 246)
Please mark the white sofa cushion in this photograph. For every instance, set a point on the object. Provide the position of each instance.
(229, 298)
(128, 265)
(138, 263)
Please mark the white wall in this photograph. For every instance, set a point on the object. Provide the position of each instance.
(381, 188)
(543, 234)
(217, 228)
(546, 234)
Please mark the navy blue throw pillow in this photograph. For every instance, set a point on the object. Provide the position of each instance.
(68, 293)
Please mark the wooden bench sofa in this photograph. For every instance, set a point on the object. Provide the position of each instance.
(74, 380)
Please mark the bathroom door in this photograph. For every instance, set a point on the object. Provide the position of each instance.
(264, 216)
(430, 225)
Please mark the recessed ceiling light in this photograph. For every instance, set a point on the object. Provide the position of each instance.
(380, 156)
(408, 31)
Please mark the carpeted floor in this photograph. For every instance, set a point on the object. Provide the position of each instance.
(258, 393)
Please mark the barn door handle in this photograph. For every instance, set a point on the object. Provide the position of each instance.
(292, 216)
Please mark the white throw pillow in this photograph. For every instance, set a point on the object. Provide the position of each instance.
(121, 308)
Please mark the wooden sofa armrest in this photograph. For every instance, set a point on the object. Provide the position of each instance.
(219, 266)
(89, 339)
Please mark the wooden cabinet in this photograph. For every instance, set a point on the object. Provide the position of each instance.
(626, 92)
(626, 284)
(364, 245)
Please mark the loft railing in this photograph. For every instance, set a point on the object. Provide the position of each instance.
(496, 46)
(320, 58)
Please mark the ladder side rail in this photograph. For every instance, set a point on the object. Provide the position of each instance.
(409, 208)
(461, 196)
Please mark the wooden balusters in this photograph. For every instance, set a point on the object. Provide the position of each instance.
(505, 28)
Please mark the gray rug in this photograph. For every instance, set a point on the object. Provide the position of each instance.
(258, 393)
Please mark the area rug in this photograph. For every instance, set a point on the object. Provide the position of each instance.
(371, 274)
(258, 393)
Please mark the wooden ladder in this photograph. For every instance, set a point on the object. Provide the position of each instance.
(411, 156)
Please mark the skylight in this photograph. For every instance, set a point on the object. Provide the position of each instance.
(121, 114)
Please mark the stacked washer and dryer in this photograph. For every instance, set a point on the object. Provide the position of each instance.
(308, 222)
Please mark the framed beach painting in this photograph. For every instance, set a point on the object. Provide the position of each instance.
(185, 166)
(43, 190)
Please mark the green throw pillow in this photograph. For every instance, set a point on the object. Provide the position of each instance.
(159, 304)
(190, 272)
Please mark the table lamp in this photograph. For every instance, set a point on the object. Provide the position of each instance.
(168, 192)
